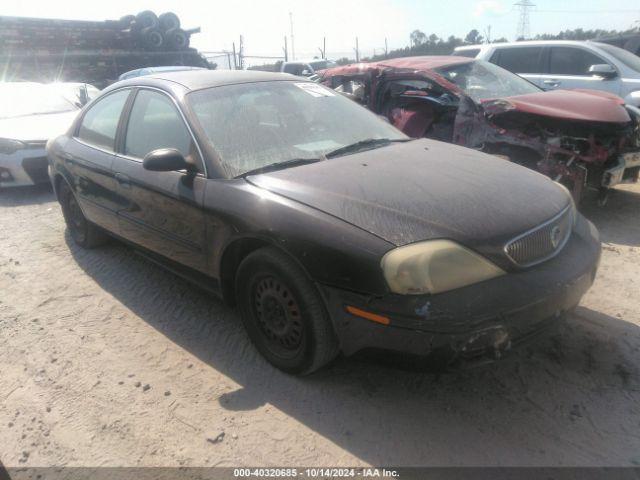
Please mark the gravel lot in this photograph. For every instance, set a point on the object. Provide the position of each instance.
(108, 360)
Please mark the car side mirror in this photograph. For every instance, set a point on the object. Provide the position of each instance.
(83, 95)
(306, 73)
(166, 160)
(603, 70)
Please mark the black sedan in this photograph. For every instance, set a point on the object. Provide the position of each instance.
(327, 227)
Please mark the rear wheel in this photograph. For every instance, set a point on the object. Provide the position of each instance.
(83, 232)
(283, 313)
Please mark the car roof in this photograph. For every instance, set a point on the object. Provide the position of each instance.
(528, 43)
(421, 63)
(199, 79)
(472, 47)
(429, 62)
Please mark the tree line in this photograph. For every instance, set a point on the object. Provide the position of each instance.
(423, 44)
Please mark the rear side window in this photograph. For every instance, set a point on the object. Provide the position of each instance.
(470, 53)
(155, 123)
(571, 61)
(295, 68)
(518, 59)
(100, 123)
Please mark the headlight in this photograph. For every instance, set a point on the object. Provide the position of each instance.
(435, 266)
(8, 146)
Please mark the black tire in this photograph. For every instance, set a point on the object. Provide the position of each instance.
(168, 21)
(84, 233)
(147, 19)
(283, 313)
(152, 38)
(177, 39)
(127, 20)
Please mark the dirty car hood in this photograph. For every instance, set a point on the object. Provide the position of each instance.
(424, 189)
(585, 105)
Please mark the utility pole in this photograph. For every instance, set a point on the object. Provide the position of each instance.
(487, 34)
(357, 50)
(293, 48)
(386, 48)
(286, 52)
(241, 53)
(235, 64)
(523, 22)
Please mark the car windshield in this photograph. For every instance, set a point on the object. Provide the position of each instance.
(629, 59)
(254, 125)
(482, 80)
(19, 100)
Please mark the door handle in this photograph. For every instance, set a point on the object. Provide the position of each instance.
(123, 180)
(552, 83)
(67, 157)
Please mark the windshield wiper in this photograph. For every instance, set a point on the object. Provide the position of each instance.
(369, 143)
(281, 165)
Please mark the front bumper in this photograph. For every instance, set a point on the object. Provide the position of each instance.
(469, 321)
(24, 167)
(626, 170)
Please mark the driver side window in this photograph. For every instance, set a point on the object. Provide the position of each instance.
(155, 123)
(572, 61)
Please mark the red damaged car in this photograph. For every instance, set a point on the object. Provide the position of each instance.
(581, 138)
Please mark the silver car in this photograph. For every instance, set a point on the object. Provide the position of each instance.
(31, 114)
(566, 64)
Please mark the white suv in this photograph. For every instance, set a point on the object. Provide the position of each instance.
(566, 64)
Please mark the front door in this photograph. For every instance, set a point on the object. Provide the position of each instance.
(568, 68)
(161, 211)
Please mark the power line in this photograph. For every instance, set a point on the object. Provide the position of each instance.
(585, 11)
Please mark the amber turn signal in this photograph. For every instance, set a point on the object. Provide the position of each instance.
(368, 315)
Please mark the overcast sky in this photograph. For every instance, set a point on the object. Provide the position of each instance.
(265, 22)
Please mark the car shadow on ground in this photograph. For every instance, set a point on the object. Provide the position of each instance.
(557, 401)
(32, 195)
(618, 220)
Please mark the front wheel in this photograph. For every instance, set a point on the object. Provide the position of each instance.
(283, 313)
(83, 232)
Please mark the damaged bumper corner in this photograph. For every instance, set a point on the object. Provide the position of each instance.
(474, 321)
(626, 170)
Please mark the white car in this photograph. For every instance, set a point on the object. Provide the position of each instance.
(566, 64)
(306, 68)
(31, 114)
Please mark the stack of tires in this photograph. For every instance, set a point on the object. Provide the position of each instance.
(155, 32)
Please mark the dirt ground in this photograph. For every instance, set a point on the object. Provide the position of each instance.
(108, 360)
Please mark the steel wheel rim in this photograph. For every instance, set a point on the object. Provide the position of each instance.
(278, 316)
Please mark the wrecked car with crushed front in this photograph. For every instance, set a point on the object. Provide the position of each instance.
(582, 138)
(330, 229)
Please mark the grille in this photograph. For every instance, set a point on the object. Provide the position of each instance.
(37, 169)
(543, 242)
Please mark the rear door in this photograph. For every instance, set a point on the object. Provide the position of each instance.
(568, 67)
(525, 61)
(160, 211)
(89, 157)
